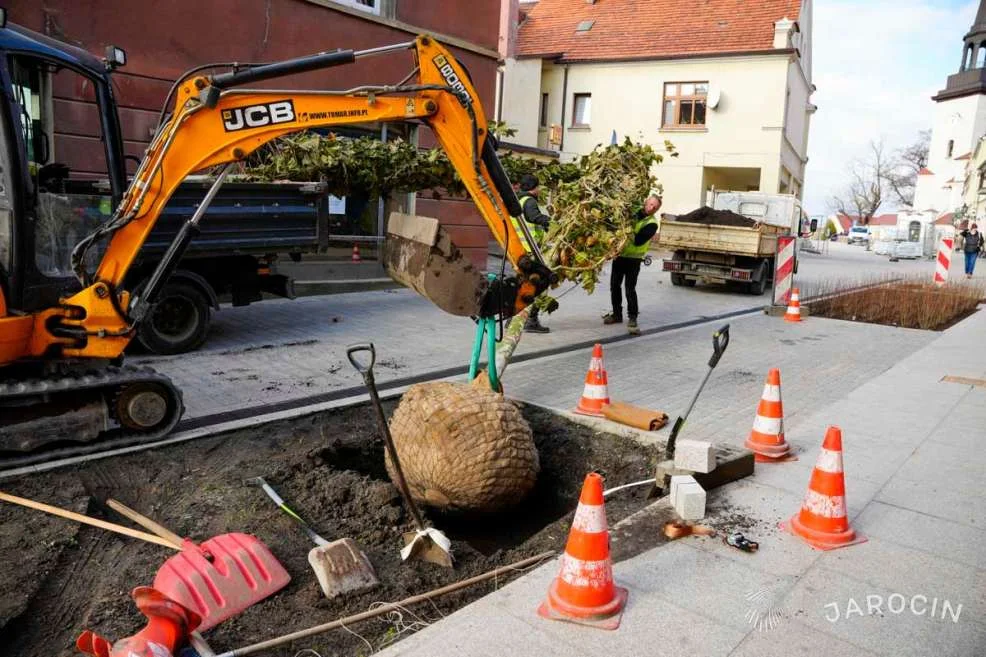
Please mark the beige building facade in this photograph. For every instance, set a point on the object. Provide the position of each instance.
(738, 114)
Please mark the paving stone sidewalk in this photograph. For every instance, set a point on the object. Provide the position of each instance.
(281, 350)
(914, 474)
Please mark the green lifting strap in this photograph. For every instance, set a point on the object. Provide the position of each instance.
(485, 326)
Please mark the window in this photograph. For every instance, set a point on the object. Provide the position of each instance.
(951, 147)
(371, 6)
(543, 116)
(684, 104)
(581, 110)
(6, 201)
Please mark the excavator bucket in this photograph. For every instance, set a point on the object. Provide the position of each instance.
(419, 253)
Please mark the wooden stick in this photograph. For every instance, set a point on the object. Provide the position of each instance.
(383, 609)
(78, 517)
(146, 523)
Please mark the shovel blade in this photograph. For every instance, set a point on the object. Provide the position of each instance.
(221, 577)
(419, 253)
(342, 567)
(426, 549)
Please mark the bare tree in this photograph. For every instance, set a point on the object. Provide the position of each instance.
(864, 193)
(907, 162)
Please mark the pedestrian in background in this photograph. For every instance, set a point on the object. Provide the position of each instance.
(972, 245)
(626, 267)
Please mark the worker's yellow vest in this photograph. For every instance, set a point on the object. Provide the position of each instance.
(536, 231)
(631, 250)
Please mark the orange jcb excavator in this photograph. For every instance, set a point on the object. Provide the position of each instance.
(61, 366)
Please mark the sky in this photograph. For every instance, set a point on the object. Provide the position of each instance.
(876, 65)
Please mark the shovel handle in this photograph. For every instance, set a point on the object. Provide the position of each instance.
(86, 520)
(720, 340)
(145, 522)
(363, 368)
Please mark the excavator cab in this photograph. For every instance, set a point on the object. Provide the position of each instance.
(50, 198)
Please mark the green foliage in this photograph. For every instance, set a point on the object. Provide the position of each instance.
(592, 202)
(593, 213)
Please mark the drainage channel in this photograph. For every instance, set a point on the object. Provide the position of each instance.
(209, 425)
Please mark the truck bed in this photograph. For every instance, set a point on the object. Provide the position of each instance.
(246, 218)
(758, 242)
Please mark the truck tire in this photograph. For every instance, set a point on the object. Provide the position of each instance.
(179, 322)
(758, 287)
(680, 279)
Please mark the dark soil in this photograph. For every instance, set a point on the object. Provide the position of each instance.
(58, 578)
(706, 215)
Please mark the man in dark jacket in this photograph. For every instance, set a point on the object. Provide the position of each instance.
(972, 245)
(537, 222)
(626, 267)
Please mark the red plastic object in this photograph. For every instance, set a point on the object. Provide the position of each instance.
(221, 577)
(167, 629)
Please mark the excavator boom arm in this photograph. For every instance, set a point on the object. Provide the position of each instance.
(213, 124)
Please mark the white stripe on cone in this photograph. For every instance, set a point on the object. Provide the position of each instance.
(829, 461)
(827, 506)
(576, 572)
(593, 391)
(590, 519)
(771, 393)
(596, 364)
(796, 310)
(772, 426)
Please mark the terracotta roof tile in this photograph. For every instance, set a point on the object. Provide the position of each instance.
(884, 220)
(925, 171)
(626, 29)
(964, 157)
(947, 219)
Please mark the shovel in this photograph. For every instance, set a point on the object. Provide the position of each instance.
(340, 565)
(720, 340)
(427, 544)
(217, 579)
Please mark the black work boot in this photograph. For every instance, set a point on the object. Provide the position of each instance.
(534, 325)
(613, 318)
(632, 327)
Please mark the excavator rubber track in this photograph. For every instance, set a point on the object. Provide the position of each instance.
(97, 399)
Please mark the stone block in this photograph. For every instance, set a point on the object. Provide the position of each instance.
(694, 455)
(690, 501)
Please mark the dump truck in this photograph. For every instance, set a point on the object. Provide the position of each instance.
(732, 241)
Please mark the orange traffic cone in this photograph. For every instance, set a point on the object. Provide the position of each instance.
(356, 257)
(822, 521)
(766, 439)
(595, 395)
(793, 313)
(583, 592)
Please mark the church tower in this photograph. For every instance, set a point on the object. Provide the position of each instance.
(959, 122)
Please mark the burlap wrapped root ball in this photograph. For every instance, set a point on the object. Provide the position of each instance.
(463, 447)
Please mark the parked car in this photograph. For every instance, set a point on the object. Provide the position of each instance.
(859, 234)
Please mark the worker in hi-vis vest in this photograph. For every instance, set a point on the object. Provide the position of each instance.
(626, 266)
(537, 223)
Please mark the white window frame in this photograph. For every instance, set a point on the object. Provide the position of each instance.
(588, 119)
(355, 4)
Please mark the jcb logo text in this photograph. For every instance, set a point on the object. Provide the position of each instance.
(256, 116)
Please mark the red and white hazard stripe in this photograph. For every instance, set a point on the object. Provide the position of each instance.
(784, 269)
(944, 260)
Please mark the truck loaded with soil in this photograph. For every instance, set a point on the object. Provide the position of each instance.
(733, 241)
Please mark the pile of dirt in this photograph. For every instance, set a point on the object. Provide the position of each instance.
(330, 468)
(706, 215)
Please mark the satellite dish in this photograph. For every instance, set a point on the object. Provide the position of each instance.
(714, 97)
